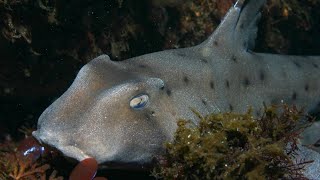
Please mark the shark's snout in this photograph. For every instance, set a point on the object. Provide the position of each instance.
(70, 150)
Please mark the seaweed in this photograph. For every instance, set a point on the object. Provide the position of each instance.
(23, 160)
(15, 167)
(235, 146)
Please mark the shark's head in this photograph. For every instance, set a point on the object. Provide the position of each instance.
(109, 113)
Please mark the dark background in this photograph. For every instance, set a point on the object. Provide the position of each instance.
(43, 43)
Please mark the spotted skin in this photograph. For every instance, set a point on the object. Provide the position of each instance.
(93, 117)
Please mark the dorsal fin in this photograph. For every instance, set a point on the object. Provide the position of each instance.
(238, 30)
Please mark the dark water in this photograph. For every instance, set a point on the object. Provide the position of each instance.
(43, 45)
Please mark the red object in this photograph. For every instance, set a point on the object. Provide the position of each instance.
(85, 170)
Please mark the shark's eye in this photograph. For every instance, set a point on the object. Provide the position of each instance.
(139, 102)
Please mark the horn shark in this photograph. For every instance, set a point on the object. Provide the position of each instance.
(122, 112)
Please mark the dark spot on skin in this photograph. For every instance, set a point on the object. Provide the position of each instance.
(246, 81)
(168, 92)
(204, 60)
(230, 107)
(181, 54)
(294, 96)
(315, 65)
(241, 26)
(284, 74)
(215, 43)
(142, 66)
(249, 51)
(261, 75)
(264, 103)
(258, 113)
(317, 144)
(306, 87)
(204, 102)
(245, 44)
(211, 85)
(148, 117)
(185, 79)
(297, 64)
(227, 84)
(234, 58)
(275, 101)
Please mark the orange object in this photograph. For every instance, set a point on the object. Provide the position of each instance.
(85, 170)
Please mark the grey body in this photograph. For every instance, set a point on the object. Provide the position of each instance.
(93, 118)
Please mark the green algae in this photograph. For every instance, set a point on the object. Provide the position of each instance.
(235, 146)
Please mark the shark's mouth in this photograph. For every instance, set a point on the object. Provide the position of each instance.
(72, 153)
(67, 150)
